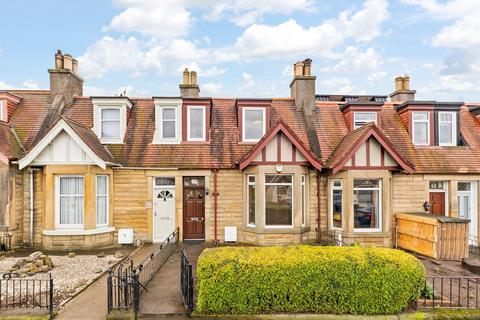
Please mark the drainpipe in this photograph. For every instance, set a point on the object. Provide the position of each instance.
(31, 171)
(215, 196)
(319, 202)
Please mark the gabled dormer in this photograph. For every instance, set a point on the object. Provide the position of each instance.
(253, 119)
(8, 104)
(110, 117)
(432, 123)
(359, 113)
(168, 121)
(196, 120)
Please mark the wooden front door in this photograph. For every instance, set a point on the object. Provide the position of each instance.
(194, 208)
(437, 200)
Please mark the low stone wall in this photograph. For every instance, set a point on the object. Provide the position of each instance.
(78, 242)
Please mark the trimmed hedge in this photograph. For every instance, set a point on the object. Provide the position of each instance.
(357, 280)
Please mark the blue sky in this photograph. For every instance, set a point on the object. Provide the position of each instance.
(246, 48)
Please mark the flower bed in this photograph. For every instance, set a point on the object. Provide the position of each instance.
(296, 279)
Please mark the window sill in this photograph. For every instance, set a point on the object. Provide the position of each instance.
(278, 230)
(77, 232)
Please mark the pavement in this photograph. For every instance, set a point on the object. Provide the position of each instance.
(163, 296)
(92, 302)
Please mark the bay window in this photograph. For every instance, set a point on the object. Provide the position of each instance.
(362, 118)
(447, 128)
(69, 201)
(253, 125)
(102, 200)
(278, 200)
(367, 204)
(421, 128)
(251, 199)
(110, 123)
(196, 123)
(337, 203)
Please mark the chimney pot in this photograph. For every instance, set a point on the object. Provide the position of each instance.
(398, 83)
(67, 61)
(298, 69)
(307, 67)
(186, 77)
(58, 60)
(193, 78)
(406, 82)
(75, 66)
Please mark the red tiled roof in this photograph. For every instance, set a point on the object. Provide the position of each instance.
(9, 146)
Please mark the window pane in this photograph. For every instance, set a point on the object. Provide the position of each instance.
(337, 208)
(110, 114)
(194, 181)
(101, 209)
(445, 135)
(253, 124)
(278, 178)
(71, 210)
(196, 123)
(303, 201)
(102, 184)
(446, 117)
(165, 181)
(366, 183)
(110, 129)
(420, 132)
(464, 186)
(168, 114)
(168, 129)
(278, 205)
(436, 185)
(251, 202)
(71, 186)
(422, 116)
(365, 116)
(366, 209)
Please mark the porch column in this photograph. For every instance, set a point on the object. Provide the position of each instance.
(453, 198)
(90, 218)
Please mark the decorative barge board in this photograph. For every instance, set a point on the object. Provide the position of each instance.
(443, 238)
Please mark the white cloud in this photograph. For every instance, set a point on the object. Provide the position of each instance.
(462, 34)
(159, 19)
(247, 81)
(376, 76)
(353, 60)
(29, 84)
(290, 39)
(335, 86)
(446, 9)
(212, 88)
(213, 71)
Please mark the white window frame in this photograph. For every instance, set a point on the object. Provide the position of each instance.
(265, 198)
(119, 120)
(333, 187)
(3, 111)
(204, 122)
(107, 195)
(99, 104)
(454, 128)
(264, 118)
(248, 199)
(380, 206)
(57, 203)
(304, 200)
(170, 103)
(355, 113)
(421, 121)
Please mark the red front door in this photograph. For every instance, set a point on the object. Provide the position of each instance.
(194, 208)
(437, 200)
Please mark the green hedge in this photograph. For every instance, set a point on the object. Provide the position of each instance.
(357, 280)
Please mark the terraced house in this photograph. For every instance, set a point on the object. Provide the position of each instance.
(79, 172)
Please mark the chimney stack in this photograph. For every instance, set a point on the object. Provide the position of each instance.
(189, 87)
(402, 90)
(64, 78)
(302, 87)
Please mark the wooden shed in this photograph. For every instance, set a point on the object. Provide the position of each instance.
(439, 237)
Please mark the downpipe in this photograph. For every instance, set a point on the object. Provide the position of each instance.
(31, 207)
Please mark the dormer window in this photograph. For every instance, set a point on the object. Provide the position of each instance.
(3, 111)
(110, 123)
(110, 118)
(363, 118)
(447, 128)
(167, 121)
(196, 123)
(253, 125)
(421, 128)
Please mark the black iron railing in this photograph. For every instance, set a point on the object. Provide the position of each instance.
(330, 237)
(186, 281)
(5, 239)
(127, 281)
(19, 293)
(473, 245)
(450, 292)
